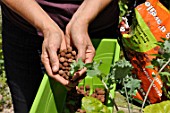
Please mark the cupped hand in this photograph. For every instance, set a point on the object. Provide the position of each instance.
(53, 41)
(77, 36)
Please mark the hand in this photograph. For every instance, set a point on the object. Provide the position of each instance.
(77, 36)
(53, 41)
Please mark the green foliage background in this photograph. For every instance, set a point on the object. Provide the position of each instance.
(5, 97)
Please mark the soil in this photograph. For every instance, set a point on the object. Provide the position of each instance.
(74, 97)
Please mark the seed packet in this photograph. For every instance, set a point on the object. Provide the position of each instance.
(150, 24)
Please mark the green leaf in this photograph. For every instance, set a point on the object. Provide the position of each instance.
(132, 84)
(93, 69)
(165, 74)
(96, 65)
(167, 46)
(75, 66)
(121, 69)
(150, 66)
(80, 63)
(166, 55)
(93, 105)
(93, 72)
(89, 65)
(163, 107)
(158, 62)
(120, 111)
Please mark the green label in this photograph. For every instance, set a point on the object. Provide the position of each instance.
(142, 39)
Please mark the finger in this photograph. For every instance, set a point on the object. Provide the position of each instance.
(60, 79)
(90, 53)
(81, 78)
(46, 62)
(72, 84)
(63, 44)
(53, 59)
(81, 52)
(68, 40)
(79, 74)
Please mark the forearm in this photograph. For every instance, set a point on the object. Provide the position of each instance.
(89, 9)
(32, 12)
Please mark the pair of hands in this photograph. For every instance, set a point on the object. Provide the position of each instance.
(76, 35)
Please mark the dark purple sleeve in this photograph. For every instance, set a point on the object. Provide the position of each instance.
(62, 11)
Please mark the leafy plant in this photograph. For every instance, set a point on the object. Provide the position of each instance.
(93, 105)
(5, 97)
(120, 73)
(163, 107)
(92, 68)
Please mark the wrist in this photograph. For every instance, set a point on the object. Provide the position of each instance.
(51, 29)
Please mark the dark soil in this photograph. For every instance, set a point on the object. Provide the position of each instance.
(74, 97)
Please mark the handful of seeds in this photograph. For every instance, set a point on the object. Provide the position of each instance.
(66, 57)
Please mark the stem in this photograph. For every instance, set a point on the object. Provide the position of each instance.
(113, 100)
(147, 93)
(127, 97)
(131, 99)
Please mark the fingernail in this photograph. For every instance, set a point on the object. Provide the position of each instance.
(54, 68)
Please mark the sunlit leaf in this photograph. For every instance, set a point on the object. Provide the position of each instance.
(163, 107)
(93, 105)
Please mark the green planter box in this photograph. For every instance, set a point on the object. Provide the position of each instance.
(51, 95)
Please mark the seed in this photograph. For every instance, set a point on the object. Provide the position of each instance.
(87, 93)
(62, 59)
(73, 53)
(69, 49)
(82, 87)
(61, 72)
(65, 64)
(93, 95)
(60, 66)
(101, 92)
(70, 60)
(65, 76)
(98, 97)
(102, 100)
(68, 55)
(63, 68)
(60, 51)
(72, 57)
(68, 68)
(97, 89)
(87, 87)
(68, 73)
(62, 54)
(65, 50)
